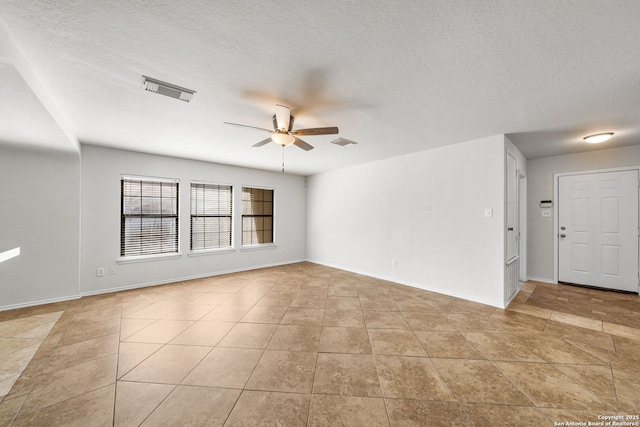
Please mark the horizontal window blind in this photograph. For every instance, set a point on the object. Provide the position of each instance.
(257, 216)
(149, 217)
(211, 216)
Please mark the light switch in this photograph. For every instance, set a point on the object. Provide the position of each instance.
(488, 213)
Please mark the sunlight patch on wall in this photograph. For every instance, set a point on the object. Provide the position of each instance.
(11, 253)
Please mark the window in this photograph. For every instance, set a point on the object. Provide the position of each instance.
(149, 216)
(210, 216)
(257, 216)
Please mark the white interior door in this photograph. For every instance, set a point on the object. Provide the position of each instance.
(598, 229)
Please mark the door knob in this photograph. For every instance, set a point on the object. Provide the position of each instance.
(510, 229)
(563, 235)
(563, 228)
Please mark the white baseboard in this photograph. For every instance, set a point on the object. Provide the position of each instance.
(141, 285)
(218, 273)
(39, 302)
(542, 279)
(506, 303)
(184, 278)
(414, 285)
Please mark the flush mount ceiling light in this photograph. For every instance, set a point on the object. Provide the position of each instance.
(167, 89)
(598, 137)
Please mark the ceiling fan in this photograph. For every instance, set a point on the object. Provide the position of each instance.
(283, 133)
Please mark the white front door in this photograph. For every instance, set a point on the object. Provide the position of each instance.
(598, 229)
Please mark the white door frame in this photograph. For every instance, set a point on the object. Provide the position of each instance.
(522, 224)
(516, 214)
(556, 210)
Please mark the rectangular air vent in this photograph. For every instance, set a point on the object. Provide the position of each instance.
(167, 89)
(343, 141)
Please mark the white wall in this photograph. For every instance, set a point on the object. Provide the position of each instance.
(39, 189)
(40, 213)
(426, 210)
(540, 187)
(101, 171)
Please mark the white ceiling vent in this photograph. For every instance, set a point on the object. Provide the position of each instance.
(343, 141)
(167, 89)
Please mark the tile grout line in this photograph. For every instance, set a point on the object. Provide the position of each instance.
(115, 389)
(382, 391)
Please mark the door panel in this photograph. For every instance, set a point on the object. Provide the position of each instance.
(580, 215)
(611, 215)
(611, 260)
(598, 236)
(580, 258)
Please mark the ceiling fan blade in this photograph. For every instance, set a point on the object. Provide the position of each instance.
(263, 142)
(247, 126)
(315, 131)
(300, 143)
(283, 115)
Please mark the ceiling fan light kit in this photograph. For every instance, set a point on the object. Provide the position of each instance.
(283, 138)
(598, 137)
(167, 89)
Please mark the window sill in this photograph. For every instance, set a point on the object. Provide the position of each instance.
(258, 247)
(211, 252)
(145, 258)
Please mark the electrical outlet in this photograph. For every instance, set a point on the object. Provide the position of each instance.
(394, 263)
(112, 270)
(545, 213)
(100, 272)
(488, 213)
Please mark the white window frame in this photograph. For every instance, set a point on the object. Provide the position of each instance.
(206, 251)
(257, 246)
(123, 259)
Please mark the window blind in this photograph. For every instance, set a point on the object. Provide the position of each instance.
(149, 217)
(211, 216)
(257, 216)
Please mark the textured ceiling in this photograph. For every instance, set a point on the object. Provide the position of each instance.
(395, 77)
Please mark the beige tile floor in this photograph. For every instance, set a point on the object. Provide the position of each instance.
(307, 345)
(602, 307)
(20, 338)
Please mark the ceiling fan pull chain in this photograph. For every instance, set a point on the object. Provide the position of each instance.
(283, 159)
